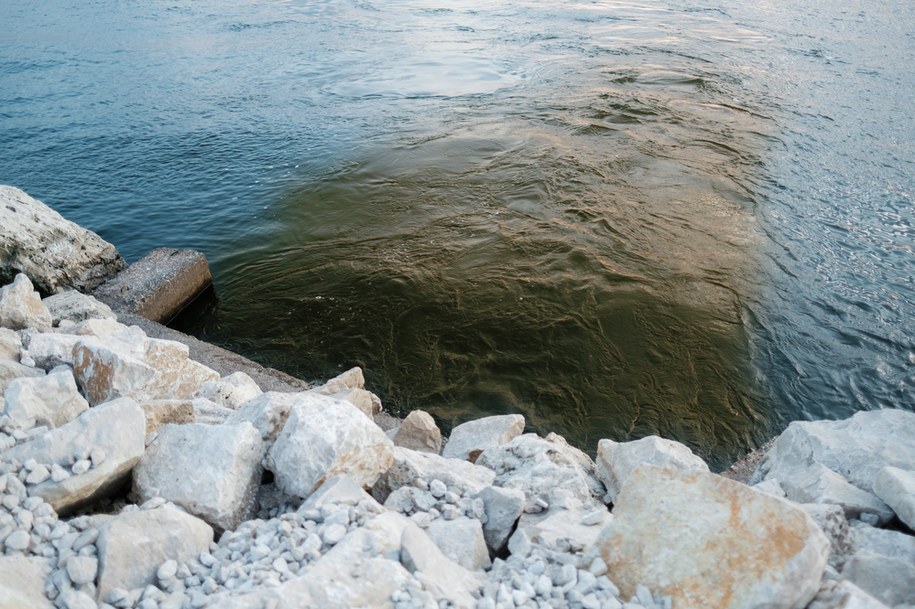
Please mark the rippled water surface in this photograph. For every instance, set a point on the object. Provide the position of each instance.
(618, 218)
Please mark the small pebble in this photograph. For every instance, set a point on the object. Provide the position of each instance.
(167, 571)
(81, 467)
(38, 475)
(18, 540)
(333, 534)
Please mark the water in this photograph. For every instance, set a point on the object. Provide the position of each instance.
(618, 218)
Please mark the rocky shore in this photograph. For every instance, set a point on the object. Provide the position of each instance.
(133, 475)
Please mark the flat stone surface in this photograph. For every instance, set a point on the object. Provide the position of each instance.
(76, 307)
(443, 577)
(22, 581)
(162, 412)
(52, 400)
(54, 252)
(10, 345)
(159, 285)
(815, 483)
(10, 371)
(890, 579)
(843, 595)
(897, 488)
(711, 542)
(480, 434)
(462, 541)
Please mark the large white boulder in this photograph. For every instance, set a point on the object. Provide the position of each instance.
(76, 307)
(711, 542)
(212, 471)
(230, 391)
(22, 581)
(163, 412)
(856, 448)
(10, 371)
(503, 507)
(325, 437)
(890, 579)
(815, 483)
(476, 436)
(54, 252)
(409, 466)
(134, 544)
(617, 460)
(50, 349)
(21, 306)
(132, 365)
(108, 440)
(267, 412)
(51, 400)
(538, 466)
(418, 431)
(462, 541)
(897, 488)
(843, 595)
(570, 527)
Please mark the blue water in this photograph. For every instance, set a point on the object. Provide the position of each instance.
(618, 218)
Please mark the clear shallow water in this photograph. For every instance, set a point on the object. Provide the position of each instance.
(618, 218)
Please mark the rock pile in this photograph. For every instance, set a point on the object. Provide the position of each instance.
(132, 476)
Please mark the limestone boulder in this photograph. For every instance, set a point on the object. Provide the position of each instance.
(339, 490)
(503, 507)
(10, 371)
(408, 466)
(76, 307)
(231, 391)
(50, 349)
(132, 365)
(831, 520)
(897, 488)
(843, 595)
(617, 460)
(52, 400)
(570, 527)
(268, 412)
(163, 412)
(462, 541)
(22, 581)
(325, 437)
(209, 412)
(815, 483)
(856, 448)
(473, 437)
(883, 542)
(537, 466)
(56, 253)
(21, 306)
(890, 579)
(98, 449)
(10, 345)
(133, 545)
(351, 379)
(419, 432)
(212, 471)
(443, 577)
(711, 542)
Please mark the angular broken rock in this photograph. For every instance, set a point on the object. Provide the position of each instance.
(212, 471)
(480, 434)
(10, 371)
(419, 432)
(230, 391)
(856, 448)
(51, 400)
(710, 542)
(443, 577)
(461, 540)
(22, 580)
(890, 579)
(410, 465)
(503, 507)
(574, 527)
(162, 412)
(10, 345)
(117, 428)
(537, 467)
(50, 349)
(617, 460)
(843, 595)
(267, 412)
(76, 307)
(815, 483)
(897, 488)
(324, 437)
(132, 546)
(132, 365)
(56, 253)
(21, 306)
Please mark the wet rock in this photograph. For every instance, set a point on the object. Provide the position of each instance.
(21, 306)
(76, 307)
(617, 460)
(22, 580)
(419, 432)
(410, 465)
(462, 541)
(897, 488)
(133, 545)
(210, 470)
(51, 400)
(324, 437)
(672, 529)
(55, 253)
(480, 434)
(230, 391)
(117, 428)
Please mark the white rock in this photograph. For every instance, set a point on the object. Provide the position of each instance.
(82, 569)
(132, 546)
(617, 460)
(897, 488)
(10, 345)
(419, 432)
(212, 471)
(17, 541)
(480, 434)
(409, 465)
(210, 413)
(856, 448)
(97, 327)
(50, 349)
(537, 467)
(10, 371)
(324, 437)
(21, 306)
(867, 539)
(831, 520)
(561, 529)
(339, 490)
(814, 483)
(132, 365)
(231, 391)
(442, 576)
(351, 379)
(365, 401)
(671, 529)
(889, 579)
(503, 507)
(462, 541)
(22, 581)
(771, 487)
(117, 427)
(843, 595)
(53, 251)
(267, 412)
(51, 400)
(163, 412)
(76, 307)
